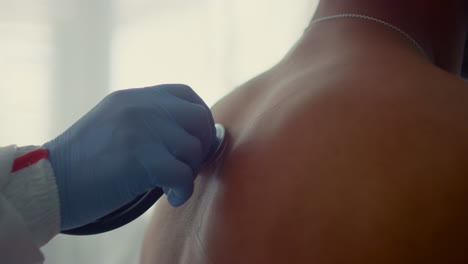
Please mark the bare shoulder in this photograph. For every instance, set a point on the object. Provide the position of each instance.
(377, 168)
(366, 168)
(420, 109)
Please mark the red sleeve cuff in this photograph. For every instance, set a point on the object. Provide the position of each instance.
(29, 159)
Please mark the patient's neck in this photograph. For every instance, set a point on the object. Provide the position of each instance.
(439, 26)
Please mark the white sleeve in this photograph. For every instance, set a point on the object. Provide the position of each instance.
(29, 208)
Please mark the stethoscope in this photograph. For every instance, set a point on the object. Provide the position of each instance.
(142, 203)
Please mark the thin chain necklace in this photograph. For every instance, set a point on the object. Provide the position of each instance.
(407, 36)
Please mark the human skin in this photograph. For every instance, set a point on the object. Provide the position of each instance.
(352, 149)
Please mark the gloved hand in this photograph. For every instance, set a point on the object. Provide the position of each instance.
(131, 142)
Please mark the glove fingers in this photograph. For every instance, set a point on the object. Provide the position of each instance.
(188, 109)
(163, 170)
(178, 142)
(178, 196)
(184, 92)
(195, 120)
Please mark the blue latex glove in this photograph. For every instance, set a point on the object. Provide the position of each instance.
(131, 142)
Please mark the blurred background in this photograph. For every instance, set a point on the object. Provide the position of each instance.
(59, 58)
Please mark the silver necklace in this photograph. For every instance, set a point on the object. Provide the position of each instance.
(407, 36)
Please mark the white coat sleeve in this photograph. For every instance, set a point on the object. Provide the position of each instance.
(29, 207)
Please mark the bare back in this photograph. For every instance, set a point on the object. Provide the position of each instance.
(330, 160)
